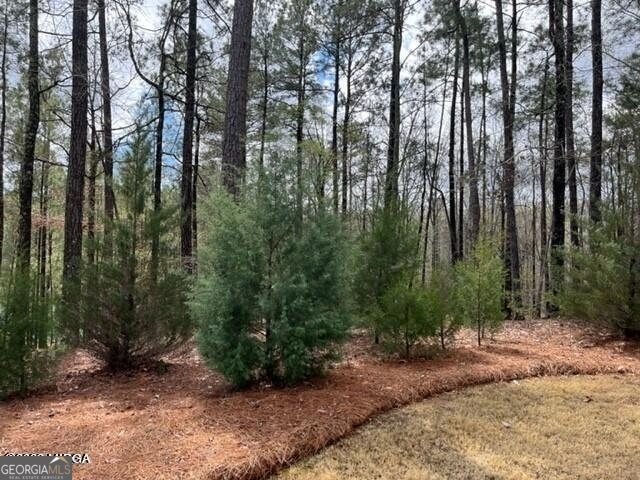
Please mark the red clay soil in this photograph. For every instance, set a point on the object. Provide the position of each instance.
(187, 424)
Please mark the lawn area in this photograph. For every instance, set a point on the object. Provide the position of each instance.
(579, 427)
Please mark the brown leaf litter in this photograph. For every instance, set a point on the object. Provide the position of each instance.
(187, 423)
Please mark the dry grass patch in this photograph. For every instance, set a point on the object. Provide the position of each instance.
(560, 428)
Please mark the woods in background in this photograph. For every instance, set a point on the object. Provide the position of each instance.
(468, 162)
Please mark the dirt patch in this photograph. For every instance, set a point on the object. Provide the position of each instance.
(187, 423)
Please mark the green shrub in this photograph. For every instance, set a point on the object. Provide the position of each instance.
(601, 284)
(406, 315)
(441, 297)
(388, 260)
(272, 290)
(479, 284)
(400, 311)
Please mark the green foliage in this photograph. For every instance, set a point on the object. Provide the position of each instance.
(388, 258)
(25, 326)
(129, 312)
(399, 311)
(405, 316)
(271, 295)
(602, 281)
(441, 298)
(479, 282)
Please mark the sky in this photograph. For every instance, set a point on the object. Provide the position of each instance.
(130, 89)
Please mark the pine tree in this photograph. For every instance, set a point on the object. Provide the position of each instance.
(271, 294)
(130, 313)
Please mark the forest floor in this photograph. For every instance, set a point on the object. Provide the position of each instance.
(187, 423)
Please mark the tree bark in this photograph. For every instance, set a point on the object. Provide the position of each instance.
(393, 153)
(461, 179)
(452, 158)
(186, 230)
(196, 173)
(543, 135)
(508, 88)
(559, 164)
(107, 133)
(300, 108)
(91, 194)
(77, 160)
(42, 284)
(571, 154)
(264, 106)
(3, 124)
(334, 115)
(23, 250)
(234, 154)
(345, 135)
(595, 178)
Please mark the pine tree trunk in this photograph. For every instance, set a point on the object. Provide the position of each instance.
(461, 179)
(483, 139)
(234, 154)
(474, 199)
(508, 87)
(42, 231)
(186, 231)
(345, 136)
(334, 117)
(91, 195)
(44, 219)
(77, 158)
(300, 107)
(571, 154)
(365, 194)
(452, 158)
(3, 125)
(196, 173)
(23, 249)
(264, 107)
(595, 177)
(543, 135)
(107, 134)
(559, 163)
(393, 152)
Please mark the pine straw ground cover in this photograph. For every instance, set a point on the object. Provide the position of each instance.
(186, 424)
